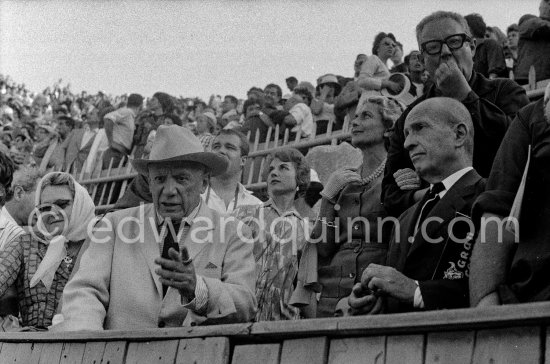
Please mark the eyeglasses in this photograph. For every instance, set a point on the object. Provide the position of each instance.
(47, 207)
(454, 42)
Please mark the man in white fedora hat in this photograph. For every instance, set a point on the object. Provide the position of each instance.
(138, 274)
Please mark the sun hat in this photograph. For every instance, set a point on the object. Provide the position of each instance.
(329, 79)
(174, 144)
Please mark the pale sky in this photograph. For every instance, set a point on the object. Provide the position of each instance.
(196, 48)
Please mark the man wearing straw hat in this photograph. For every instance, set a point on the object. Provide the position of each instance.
(137, 273)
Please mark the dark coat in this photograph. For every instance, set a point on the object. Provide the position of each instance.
(441, 269)
(492, 103)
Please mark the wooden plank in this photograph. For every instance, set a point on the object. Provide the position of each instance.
(114, 352)
(261, 353)
(16, 353)
(214, 350)
(36, 352)
(72, 353)
(300, 351)
(510, 345)
(93, 353)
(51, 353)
(370, 349)
(162, 352)
(449, 347)
(401, 347)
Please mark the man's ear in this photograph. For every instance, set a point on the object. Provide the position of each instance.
(473, 46)
(18, 192)
(461, 134)
(205, 182)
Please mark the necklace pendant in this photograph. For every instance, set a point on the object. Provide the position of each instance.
(68, 260)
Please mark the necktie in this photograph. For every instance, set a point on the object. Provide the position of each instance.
(430, 200)
(169, 242)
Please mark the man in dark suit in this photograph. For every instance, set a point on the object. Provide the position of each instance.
(428, 259)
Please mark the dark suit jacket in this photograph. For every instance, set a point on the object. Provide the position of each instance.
(492, 103)
(441, 269)
(73, 153)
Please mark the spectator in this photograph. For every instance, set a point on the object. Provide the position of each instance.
(9, 228)
(397, 59)
(534, 45)
(206, 126)
(415, 64)
(278, 242)
(256, 122)
(489, 55)
(113, 289)
(46, 152)
(322, 106)
(300, 118)
(291, 83)
(77, 145)
(347, 100)
(374, 74)
(350, 237)
(511, 57)
(503, 271)
(448, 50)
(230, 117)
(427, 267)
(21, 199)
(41, 262)
(119, 128)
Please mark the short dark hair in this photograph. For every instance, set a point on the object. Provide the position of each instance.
(7, 167)
(512, 28)
(379, 38)
(477, 25)
(135, 100)
(247, 103)
(302, 167)
(232, 98)
(302, 91)
(277, 87)
(245, 147)
(68, 121)
(292, 79)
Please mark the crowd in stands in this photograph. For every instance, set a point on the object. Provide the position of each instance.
(447, 137)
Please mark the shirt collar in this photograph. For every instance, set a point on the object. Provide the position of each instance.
(271, 204)
(452, 179)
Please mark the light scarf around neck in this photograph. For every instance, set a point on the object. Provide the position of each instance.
(82, 213)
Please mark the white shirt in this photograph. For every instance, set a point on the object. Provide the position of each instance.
(304, 118)
(9, 229)
(215, 202)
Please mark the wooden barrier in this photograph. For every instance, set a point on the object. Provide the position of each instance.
(505, 334)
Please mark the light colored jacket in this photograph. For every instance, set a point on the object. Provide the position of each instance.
(116, 286)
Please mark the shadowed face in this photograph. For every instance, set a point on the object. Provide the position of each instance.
(56, 204)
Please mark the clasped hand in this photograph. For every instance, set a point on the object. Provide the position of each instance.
(178, 272)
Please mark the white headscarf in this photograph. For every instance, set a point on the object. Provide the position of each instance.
(82, 213)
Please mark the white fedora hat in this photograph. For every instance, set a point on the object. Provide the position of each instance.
(174, 144)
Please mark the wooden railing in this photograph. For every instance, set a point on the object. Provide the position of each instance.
(105, 191)
(505, 334)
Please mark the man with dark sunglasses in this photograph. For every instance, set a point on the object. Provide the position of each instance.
(448, 49)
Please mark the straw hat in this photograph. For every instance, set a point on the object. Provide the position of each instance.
(174, 144)
(329, 79)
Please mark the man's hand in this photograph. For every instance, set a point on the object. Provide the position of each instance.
(407, 179)
(392, 86)
(178, 272)
(363, 302)
(450, 80)
(389, 281)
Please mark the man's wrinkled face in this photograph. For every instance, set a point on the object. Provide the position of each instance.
(429, 141)
(176, 190)
(463, 57)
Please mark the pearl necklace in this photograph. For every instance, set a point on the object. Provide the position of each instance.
(374, 175)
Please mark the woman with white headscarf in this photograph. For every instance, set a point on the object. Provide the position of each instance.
(41, 262)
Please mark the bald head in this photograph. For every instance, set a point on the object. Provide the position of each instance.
(439, 136)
